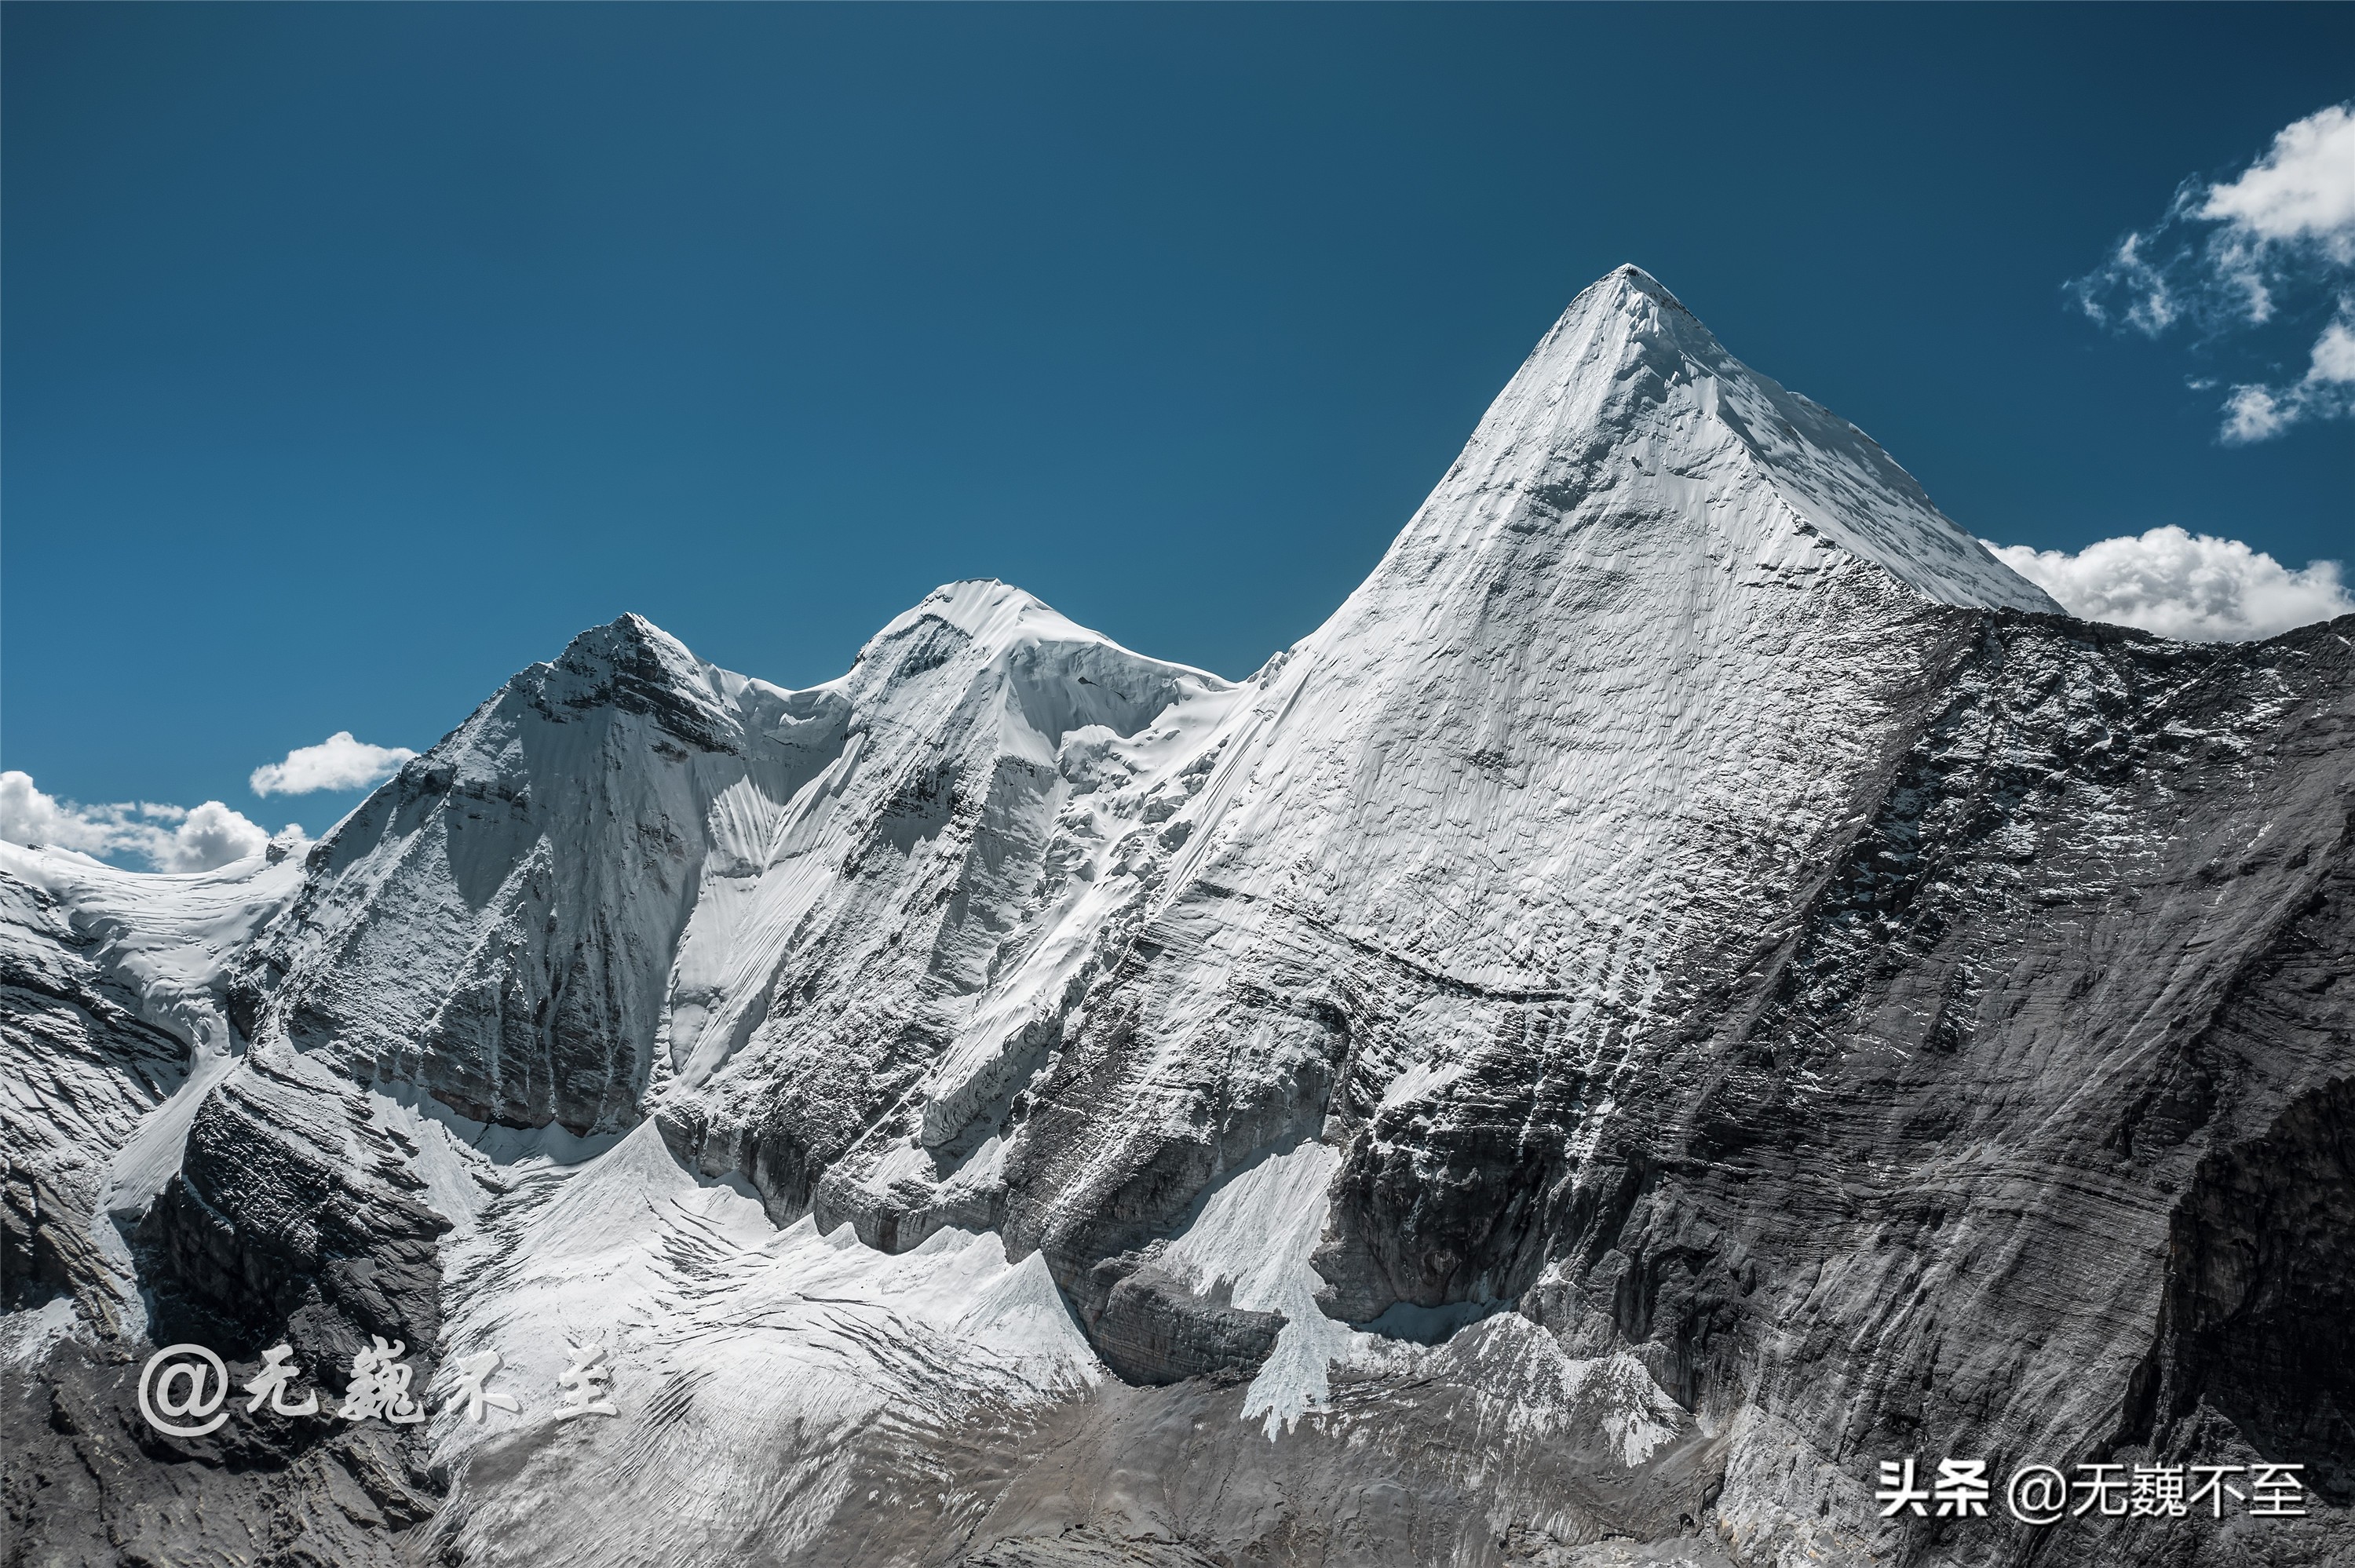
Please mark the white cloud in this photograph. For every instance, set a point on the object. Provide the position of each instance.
(2279, 236)
(169, 838)
(208, 836)
(2302, 189)
(2334, 355)
(2193, 588)
(338, 762)
(2327, 390)
(178, 838)
(2252, 414)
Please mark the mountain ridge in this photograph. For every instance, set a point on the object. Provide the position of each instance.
(1506, 1053)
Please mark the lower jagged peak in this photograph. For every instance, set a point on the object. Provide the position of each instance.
(1629, 405)
(635, 665)
(629, 640)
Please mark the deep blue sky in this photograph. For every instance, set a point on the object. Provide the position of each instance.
(357, 356)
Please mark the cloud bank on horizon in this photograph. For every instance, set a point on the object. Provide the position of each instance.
(168, 838)
(2193, 588)
(191, 838)
(2276, 240)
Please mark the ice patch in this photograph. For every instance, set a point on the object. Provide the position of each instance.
(26, 1337)
(1256, 1232)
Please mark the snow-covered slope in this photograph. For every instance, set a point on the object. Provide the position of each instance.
(1596, 710)
(618, 868)
(1352, 1115)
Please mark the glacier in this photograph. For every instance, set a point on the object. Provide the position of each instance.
(1695, 980)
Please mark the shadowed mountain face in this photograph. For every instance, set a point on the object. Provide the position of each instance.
(1695, 980)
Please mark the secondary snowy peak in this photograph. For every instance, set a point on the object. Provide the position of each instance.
(1042, 675)
(629, 860)
(1630, 413)
(994, 614)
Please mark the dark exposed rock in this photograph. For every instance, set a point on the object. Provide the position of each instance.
(1434, 1213)
(2258, 1321)
(315, 1257)
(264, 1219)
(1156, 1328)
(1439, 1477)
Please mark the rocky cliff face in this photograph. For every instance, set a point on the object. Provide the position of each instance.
(1697, 980)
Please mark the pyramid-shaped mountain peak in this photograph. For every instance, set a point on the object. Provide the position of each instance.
(1627, 285)
(1629, 409)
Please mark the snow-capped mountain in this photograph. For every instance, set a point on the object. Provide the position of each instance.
(1696, 979)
